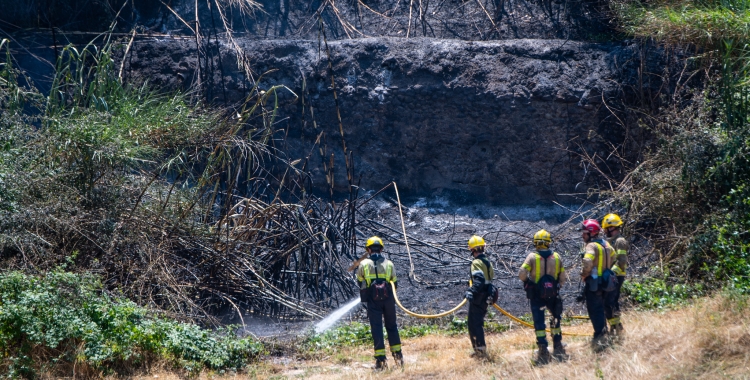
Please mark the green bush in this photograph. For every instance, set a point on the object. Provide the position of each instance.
(690, 195)
(64, 318)
(656, 293)
(731, 265)
(350, 334)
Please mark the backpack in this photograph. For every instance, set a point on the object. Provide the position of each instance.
(546, 287)
(379, 287)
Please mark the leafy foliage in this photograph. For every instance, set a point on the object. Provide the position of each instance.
(703, 22)
(63, 318)
(358, 334)
(133, 183)
(656, 293)
(690, 194)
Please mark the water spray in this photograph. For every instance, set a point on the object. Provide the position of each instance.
(335, 316)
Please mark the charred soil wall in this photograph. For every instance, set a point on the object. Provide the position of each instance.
(501, 121)
(487, 101)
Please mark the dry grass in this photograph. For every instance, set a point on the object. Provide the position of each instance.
(709, 339)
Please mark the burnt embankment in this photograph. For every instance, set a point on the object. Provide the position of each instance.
(484, 101)
(500, 122)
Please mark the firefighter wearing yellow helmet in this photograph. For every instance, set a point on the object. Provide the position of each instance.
(543, 274)
(481, 294)
(374, 275)
(612, 225)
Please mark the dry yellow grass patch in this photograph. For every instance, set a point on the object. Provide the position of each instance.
(709, 339)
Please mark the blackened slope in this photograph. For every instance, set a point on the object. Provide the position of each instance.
(490, 121)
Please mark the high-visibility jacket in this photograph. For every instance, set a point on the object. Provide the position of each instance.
(598, 255)
(481, 274)
(533, 268)
(376, 266)
(621, 247)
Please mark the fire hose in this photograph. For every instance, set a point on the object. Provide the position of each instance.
(451, 311)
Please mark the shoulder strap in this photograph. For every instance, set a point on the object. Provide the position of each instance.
(601, 257)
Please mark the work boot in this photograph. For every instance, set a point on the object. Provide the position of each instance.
(618, 333)
(398, 357)
(542, 355)
(601, 343)
(380, 364)
(479, 353)
(559, 352)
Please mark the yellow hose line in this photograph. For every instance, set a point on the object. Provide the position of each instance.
(426, 316)
(509, 315)
(451, 311)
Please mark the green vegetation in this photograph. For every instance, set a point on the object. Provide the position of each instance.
(657, 293)
(358, 334)
(62, 319)
(700, 22)
(689, 195)
(122, 184)
(131, 183)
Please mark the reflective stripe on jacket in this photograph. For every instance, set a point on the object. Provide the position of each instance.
(621, 247)
(598, 255)
(533, 267)
(367, 272)
(480, 274)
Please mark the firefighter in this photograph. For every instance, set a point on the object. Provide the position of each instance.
(598, 257)
(374, 275)
(480, 295)
(611, 225)
(543, 274)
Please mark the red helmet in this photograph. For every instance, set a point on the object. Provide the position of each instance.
(592, 226)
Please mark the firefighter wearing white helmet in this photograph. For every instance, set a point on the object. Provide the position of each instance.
(374, 275)
(481, 294)
(543, 274)
(612, 224)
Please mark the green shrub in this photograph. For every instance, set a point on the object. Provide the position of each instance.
(350, 334)
(69, 318)
(690, 195)
(656, 293)
(731, 264)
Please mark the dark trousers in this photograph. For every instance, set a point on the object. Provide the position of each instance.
(377, 311)
(595, 307)
(537, 313)
(612, 303)
(475, 321)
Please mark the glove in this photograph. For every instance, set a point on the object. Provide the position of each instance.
(469, 295)
(493, 296)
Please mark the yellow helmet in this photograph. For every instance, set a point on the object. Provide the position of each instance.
(542, 239)
(611, 220)
(374, 241)
(476, 241)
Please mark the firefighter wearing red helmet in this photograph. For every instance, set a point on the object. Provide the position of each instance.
(598, 257)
